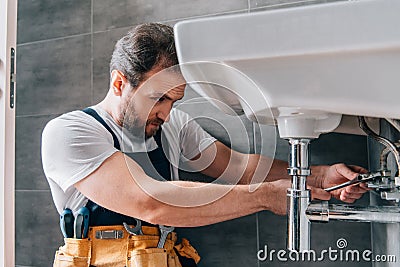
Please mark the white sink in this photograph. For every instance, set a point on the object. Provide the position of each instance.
(303, 67)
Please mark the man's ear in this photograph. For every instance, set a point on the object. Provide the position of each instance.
(118, 82)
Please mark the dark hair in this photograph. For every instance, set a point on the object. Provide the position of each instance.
(144, 47)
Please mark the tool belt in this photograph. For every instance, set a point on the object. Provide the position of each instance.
(114, 246)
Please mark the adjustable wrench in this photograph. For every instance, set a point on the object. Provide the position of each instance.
(137, 230)
(361, 178)
(164, 231)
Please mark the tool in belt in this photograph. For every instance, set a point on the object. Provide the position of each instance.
(122, 245)
(72, 227)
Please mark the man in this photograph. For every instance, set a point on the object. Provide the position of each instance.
(120, 157)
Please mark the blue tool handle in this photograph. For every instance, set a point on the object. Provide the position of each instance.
(81, 225)
(67, 223)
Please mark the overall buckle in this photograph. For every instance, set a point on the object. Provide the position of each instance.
(109, 234)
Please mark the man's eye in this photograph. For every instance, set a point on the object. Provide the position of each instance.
(161, 99)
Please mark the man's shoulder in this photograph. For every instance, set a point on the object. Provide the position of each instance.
(71, 124)
(72, 118)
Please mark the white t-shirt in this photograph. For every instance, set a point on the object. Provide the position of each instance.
(75, 144)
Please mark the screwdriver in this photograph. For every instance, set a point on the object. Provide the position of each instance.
(67, 223)
(81, 224)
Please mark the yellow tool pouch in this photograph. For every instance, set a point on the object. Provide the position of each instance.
(114, 246)
(75, 252)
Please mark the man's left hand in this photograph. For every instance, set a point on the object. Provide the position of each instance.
(340, 173)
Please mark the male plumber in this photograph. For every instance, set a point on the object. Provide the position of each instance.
(114, 166)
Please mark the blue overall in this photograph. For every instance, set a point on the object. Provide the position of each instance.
(154, 163)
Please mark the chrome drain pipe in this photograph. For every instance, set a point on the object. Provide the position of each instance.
(324, 212)
(298, 196)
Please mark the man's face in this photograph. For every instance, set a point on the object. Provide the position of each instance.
(145, 108)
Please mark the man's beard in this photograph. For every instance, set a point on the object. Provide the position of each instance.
(132, 123)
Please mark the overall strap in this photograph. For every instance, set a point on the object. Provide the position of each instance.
(95, 115)
(157, 137)
(102, 216)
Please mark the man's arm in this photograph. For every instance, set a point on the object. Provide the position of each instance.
(120, 184)
(237, 168)
(232, 167)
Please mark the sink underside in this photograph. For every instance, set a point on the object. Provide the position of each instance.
(308, 62)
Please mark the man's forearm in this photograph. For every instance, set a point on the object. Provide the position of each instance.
(215, 203)
(258, 167)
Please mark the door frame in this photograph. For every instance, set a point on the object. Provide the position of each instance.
(8, 36)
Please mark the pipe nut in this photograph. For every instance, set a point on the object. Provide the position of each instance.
(299, 172)
(298, 193)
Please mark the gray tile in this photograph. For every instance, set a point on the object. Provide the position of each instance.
(54, 76)
(272, 231)
(231, 243)
(103, 46)
(335, 147)
(385, 236)
(45, 19)
(184, 9)
(131, 12)
(37, 232)
(28, 166)
(259, 5)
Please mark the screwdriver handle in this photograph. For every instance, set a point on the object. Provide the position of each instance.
(67, 223)
(81, 225)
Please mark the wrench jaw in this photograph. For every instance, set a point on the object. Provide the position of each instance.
(137, 230)
(164, 231)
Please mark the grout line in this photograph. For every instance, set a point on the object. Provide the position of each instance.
(39, 115)
(206, 15)
(248, 9)
(53, 39)
(129, 26)
(33, 190)
(176, 19)
(258, 237)
(117, 28)
(292, 4)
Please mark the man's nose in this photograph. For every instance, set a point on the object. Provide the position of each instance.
(163, 113)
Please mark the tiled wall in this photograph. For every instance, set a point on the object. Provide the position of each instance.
(385, 236)
(63, 52)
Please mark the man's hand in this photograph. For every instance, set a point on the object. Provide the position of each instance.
(340, 173)
(278, 203)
